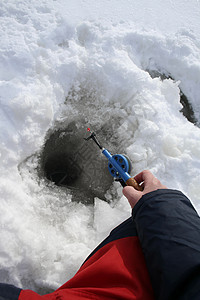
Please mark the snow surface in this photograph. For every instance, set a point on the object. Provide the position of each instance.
(50, 49)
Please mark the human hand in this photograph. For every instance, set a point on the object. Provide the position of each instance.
(149, 182)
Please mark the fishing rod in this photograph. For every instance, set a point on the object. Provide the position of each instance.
(119, 165)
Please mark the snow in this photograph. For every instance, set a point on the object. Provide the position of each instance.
(97, 55)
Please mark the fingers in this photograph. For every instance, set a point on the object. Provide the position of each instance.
(145, 175)
(132, 195)
(148, 181)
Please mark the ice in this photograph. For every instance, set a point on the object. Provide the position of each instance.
(83, 60)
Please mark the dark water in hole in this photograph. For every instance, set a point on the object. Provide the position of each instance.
(69, 161)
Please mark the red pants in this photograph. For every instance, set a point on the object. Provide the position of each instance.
(115, 270)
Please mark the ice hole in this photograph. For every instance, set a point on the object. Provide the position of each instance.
(72, 163)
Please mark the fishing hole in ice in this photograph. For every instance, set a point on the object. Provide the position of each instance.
(73, 164)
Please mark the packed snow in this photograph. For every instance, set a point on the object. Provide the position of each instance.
(93, 63)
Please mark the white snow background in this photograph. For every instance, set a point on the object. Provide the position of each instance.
(49, 48)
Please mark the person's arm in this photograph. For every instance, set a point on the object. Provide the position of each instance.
(169, 232)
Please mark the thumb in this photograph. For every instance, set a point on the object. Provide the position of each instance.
(132, 195)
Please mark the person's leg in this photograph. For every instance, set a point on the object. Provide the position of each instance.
(125, 229)
(114, 270)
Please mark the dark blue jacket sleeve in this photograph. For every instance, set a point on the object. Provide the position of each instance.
(169, 232)
(9, 292)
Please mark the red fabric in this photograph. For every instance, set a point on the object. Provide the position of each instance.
(116, 271)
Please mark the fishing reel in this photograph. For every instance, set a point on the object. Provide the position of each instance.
(124, 163)
(119, 165)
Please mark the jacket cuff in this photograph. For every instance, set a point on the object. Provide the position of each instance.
(160, 192)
